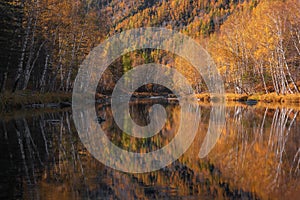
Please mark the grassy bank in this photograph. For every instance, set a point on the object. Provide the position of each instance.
(20, 99)
(265, 98)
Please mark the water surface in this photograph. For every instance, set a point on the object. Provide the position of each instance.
(256, 157)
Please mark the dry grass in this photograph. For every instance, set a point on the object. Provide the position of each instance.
(266, 98)
(275, 98)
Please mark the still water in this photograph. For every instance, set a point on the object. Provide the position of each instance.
(256, 157)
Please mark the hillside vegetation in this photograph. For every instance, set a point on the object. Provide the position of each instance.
(255, 43)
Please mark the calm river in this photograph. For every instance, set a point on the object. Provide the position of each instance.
(256, 157)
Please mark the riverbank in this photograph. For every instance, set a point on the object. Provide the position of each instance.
(28, 99)
(231, 97)
(265, 98)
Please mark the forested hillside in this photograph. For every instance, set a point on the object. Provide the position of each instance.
(255, 43)
(257, 50)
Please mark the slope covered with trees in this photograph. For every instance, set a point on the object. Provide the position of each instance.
(43, 42)
(257, 50)
(255, 43)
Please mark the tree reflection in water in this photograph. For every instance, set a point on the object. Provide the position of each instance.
(256, 157)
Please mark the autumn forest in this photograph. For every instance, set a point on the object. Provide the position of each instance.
(49, 141)
(255, 44)
(49, 134)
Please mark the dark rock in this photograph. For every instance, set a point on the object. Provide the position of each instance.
(65, 104)
(36, 106)
(251, 102)
(100, 120)
(52, 105)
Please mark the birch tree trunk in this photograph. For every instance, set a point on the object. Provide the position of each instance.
(42, 81)
(4, 79)
(30, 67)
(23, 51)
